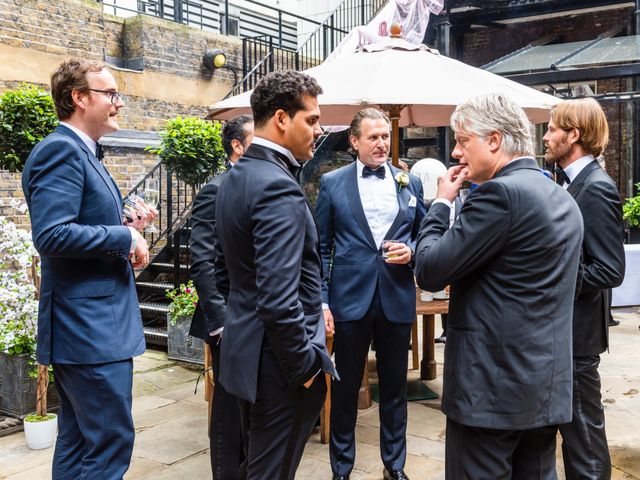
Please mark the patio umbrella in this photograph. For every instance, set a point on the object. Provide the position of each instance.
(415, 85)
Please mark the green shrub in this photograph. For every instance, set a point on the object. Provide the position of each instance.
(631, 209)
(192, 148)
(26, 117)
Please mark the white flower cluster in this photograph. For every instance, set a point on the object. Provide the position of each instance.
(18, 304)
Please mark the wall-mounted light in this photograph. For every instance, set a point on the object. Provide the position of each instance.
(214, 58)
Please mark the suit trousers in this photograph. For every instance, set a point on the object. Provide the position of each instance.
(225, 432)
(351, 346)
(585, 451)
(279, 423)
(474, 453)
(95, 426)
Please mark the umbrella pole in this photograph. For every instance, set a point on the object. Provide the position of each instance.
(394, 116)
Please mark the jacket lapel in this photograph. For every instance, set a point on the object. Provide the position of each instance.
(353, 199)
(97, 166)
(578, 182)
(403, 196)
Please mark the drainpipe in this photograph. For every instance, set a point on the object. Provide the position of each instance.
(635, 158)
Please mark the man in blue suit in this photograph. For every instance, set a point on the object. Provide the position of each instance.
(365, 296)
(89, 325)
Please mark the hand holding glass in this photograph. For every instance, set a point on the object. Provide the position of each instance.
(386, 244)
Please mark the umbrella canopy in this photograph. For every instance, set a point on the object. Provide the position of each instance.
(426, 84)
(416, 85)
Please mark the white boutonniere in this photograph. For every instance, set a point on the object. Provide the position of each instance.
(402, 179)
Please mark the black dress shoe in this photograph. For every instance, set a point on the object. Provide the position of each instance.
(394, 475)
(442, 339)
(613, 322)
(340, 477)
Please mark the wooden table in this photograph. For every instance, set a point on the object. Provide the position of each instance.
(429, 310)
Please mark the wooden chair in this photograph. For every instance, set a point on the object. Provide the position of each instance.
(326, 408)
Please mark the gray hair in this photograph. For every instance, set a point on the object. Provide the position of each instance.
(493, 112)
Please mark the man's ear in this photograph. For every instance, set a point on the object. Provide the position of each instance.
(78, 99)
(281, 119)
(237, 146)
(494, 139)
(353, 141)
(573, 136)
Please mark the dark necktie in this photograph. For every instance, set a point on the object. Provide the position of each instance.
(561, 176)
(378, 172)
(99, 152)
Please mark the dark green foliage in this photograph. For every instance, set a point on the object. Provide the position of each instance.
(26, 117)
(192, 148)
(631, 209)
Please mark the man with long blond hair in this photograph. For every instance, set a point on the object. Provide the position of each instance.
(578, 133)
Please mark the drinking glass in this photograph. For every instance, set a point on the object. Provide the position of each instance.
(151, 196)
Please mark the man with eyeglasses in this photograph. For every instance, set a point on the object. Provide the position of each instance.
(89, 325)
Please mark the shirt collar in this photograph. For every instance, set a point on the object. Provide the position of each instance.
(278, 148)
(576, 167)
(88, 141)
(360, 166)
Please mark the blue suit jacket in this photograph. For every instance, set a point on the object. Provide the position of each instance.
(88, 310)
(352, 263)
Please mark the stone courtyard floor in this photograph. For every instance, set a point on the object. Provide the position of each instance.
(171, 441)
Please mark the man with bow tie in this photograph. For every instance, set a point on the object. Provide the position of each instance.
(578, 133)
(360, 207)
(89, 325)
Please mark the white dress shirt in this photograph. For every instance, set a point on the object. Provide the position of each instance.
(379, 200)
(93, 146)
(576, 167)
(278, 148)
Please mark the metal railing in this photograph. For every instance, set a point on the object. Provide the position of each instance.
(264, 54)
(174, 203)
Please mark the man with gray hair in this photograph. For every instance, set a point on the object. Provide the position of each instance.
(511, 259)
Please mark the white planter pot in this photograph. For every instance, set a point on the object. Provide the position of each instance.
(41, 434)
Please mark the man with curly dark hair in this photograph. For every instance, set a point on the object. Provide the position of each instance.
(273, 348)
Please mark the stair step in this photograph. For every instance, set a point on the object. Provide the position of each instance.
(155, 285)
(155, 335)
(167, 267)
(154, 307)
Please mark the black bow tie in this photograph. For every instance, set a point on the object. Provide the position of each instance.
(378, 172)
(99, 152)
(561, 176)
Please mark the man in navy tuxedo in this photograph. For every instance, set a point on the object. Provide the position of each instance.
(267, 264)
(225, 435)
(89, 324)
(366, 296)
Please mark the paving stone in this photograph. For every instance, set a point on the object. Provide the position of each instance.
(175, 440)
(197, 466)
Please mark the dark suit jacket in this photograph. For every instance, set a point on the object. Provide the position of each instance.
(352, 263)
(268, 243)
(512, 261)
(88, 310)
(211, 308)
(602, 263)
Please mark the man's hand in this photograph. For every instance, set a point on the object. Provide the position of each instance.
(449, 183)
(398, 253)
(328, 321)
(142, 215)
(140, 256)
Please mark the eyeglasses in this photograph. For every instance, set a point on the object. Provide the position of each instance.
(113, 96)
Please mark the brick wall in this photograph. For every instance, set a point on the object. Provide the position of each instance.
(173, 82)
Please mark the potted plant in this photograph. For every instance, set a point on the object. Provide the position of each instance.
(18, 321)
(41, 428)
(192, 148)
(26, 117)
(180, 345)
(631, 215)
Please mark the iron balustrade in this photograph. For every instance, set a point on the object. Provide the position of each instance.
(174, 203)
(265, 53)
